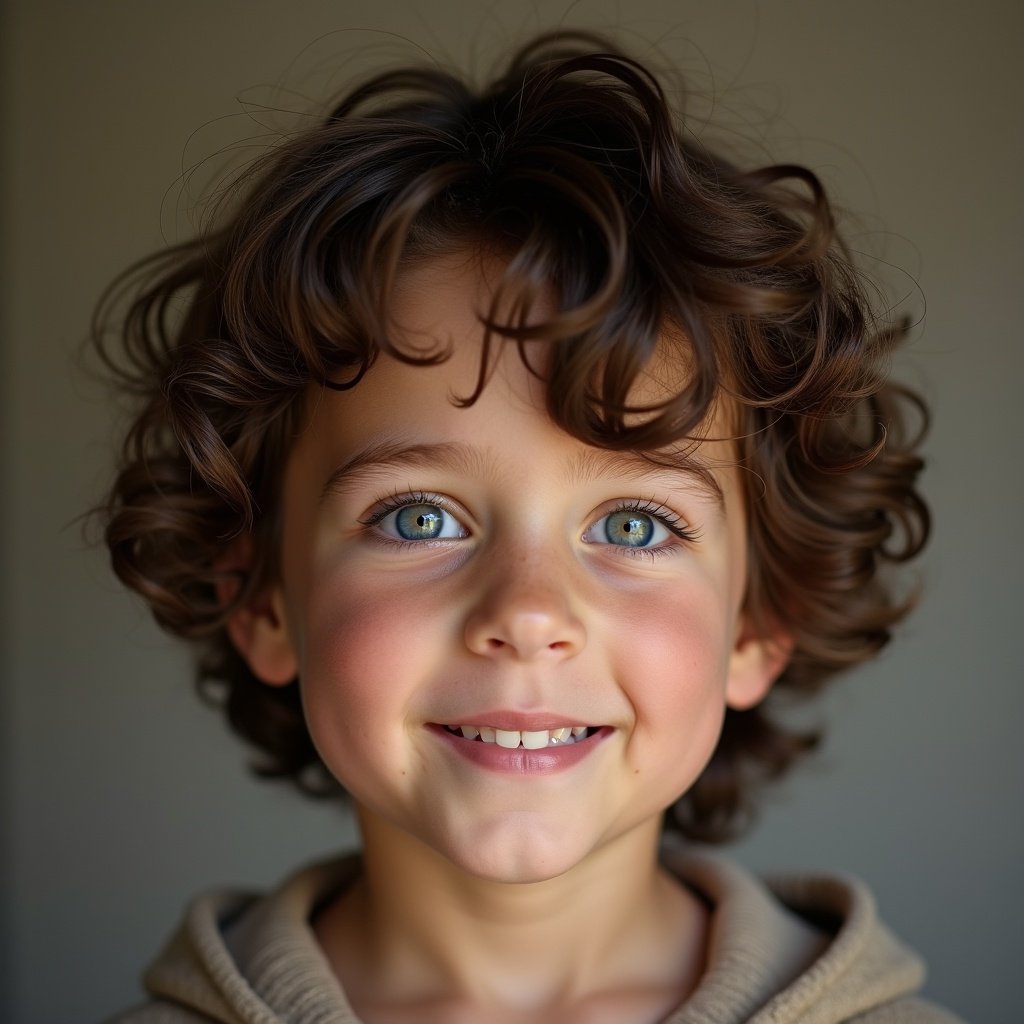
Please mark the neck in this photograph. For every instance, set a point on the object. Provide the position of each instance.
(419, 929)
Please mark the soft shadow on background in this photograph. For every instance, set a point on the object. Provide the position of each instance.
(122, 796)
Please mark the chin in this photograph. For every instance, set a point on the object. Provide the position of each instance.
(516, 849)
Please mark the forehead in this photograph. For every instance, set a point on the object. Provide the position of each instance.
(402, 411)
(437, 306)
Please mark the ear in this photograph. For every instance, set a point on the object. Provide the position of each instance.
(756, 662)
(259, 628)
(259, 632)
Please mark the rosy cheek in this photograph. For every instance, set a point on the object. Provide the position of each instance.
(685, 631)
(672, 659)
(365, 645)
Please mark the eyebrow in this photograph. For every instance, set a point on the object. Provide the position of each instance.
(383, 456)
(598, 462)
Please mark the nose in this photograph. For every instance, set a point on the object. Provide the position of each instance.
(525, 616)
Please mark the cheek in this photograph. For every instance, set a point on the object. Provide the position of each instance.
(679, 643)
(355, 641)
(673, 662)
(362, 646)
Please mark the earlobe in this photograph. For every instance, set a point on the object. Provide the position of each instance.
(259, 631)
(755, 664)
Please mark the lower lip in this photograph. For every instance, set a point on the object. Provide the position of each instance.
(520, 761)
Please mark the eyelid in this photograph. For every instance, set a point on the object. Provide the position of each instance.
(675, 524)
(392, 503)
(671, 520)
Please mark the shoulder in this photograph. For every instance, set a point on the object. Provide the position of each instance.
(908, 1011)
(160, 1013)
(242, 957)
(788, 943)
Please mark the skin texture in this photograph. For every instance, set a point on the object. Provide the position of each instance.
(487, 894)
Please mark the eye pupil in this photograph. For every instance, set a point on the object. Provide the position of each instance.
(419, 522)
(633, 529)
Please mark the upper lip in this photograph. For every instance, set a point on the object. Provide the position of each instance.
(514, 721)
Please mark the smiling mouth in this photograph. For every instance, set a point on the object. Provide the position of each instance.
(510, 739)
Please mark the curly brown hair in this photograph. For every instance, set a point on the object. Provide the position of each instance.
(574, 167)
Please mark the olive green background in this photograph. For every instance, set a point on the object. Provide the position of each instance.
(122, 795)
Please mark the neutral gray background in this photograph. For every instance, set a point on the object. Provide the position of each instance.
(122, 795)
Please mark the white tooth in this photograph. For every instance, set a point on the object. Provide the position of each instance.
(470, 732)
(535, 740)
(507, 738)
(561, 735)
(486, 734)
(579, 730)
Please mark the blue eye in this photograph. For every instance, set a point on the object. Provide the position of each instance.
(632, 529)
(420, 521)
(641, 528)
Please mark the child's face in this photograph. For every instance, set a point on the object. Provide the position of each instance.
(476, 567)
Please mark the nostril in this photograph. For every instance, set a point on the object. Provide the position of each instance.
(524, 630)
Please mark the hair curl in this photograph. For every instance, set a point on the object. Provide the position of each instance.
(572, 165)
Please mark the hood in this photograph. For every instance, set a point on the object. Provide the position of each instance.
(799, 949)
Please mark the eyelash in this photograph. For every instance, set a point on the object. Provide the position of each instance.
(669, 519)
(394, 502)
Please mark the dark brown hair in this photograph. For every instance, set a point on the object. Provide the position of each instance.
(573, 167)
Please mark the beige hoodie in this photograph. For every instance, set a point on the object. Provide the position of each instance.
(794, 950)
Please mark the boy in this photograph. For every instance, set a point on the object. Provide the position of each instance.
(511, 450)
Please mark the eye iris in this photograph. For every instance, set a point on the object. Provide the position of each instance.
(632, 529)
(419, 522)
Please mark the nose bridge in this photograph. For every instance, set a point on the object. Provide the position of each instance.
(526, 607)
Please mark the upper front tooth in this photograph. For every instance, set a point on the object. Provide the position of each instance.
(487, 734)
(561, 735)
(507, 737)
(579, 730)
(470, 732)
(535, 740)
